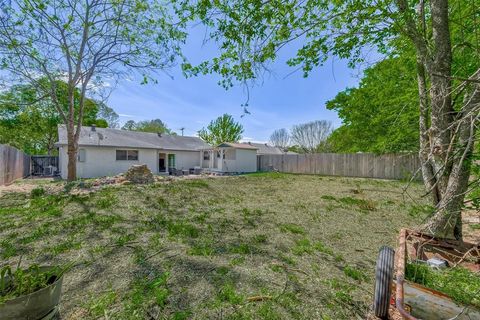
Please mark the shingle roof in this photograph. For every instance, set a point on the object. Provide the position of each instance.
(263, 148)
(237, 145)
(131, 139)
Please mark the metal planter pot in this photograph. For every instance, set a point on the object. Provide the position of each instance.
(39, 305)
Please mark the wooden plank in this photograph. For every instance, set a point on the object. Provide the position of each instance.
(387, 166)
(14, 164)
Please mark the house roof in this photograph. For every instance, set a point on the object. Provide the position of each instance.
(263, 148)
(237, 145)
(107, 137)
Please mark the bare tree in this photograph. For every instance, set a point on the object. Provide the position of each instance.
(311, 135)
(89, 44)
(280, 138)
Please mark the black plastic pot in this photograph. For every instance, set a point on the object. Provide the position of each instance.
(39, 305)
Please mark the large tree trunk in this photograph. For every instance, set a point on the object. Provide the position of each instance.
(447, 221)
(446, 140)
(72, 157)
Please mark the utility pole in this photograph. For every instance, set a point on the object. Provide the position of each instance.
(182, 129)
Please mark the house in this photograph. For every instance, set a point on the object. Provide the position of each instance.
(264, 148)
(107, 152)
(230, 157)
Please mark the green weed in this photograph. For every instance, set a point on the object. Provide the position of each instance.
(475, 226)
(202, 248)
(354, 273)
(362, 204)
(421, 211)
(8, 249)
(98, 305)
(292, 228)
(328, 197)
(302, 246)
(37, 192)
(65, 246)
(228, 294)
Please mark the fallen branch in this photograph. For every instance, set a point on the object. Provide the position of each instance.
(258, 298)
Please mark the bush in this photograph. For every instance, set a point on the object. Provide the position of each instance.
(37, 192)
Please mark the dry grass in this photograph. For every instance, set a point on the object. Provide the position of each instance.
(262, 246)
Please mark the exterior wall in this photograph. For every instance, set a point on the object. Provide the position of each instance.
(184, 159)
(246, 160)
(101, 161)
(62, 161)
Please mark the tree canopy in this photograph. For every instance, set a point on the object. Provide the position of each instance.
(381, 115)
(155, 125)
(280, 138)
(29, 122)
(89, 45)
(222, 129)
(312, 136)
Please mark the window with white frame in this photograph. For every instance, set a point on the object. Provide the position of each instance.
(131, 155)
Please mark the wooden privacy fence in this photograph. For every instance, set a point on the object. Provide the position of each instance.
(366, 165)
(14, 164)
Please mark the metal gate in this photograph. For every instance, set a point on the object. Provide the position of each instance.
(44, 166)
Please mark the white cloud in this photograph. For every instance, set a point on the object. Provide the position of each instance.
(126, 115)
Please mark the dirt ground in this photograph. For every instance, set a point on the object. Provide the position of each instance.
(260, 246)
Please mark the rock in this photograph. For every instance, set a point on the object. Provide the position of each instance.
(139, 174)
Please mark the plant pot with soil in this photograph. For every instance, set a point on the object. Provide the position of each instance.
(30, 294)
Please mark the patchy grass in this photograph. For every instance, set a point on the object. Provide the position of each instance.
(259, 246)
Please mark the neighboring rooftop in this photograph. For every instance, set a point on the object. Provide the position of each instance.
(107, 137)
(237, 145)
(264, 148)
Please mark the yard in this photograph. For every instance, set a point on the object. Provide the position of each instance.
(260, 246)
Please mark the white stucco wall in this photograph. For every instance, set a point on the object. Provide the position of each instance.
(185, 159)
(246, 160)
(101, 161)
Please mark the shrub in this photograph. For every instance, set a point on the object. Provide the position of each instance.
(37, 192)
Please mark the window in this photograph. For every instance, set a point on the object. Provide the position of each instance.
(81, 155)
(171, 161)
(206, 155)
(131, 155)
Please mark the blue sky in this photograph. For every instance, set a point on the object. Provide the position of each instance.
(280, 101)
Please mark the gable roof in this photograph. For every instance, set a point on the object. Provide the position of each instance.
(264, 148)
(237, 145)
(107, 137)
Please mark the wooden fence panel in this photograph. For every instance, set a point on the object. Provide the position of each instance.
(366, 165)
(14, 164)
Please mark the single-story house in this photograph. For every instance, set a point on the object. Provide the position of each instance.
(231, 157)
(107, 152)
(266, 149)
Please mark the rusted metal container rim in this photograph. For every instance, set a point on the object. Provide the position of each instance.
(399, 302)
